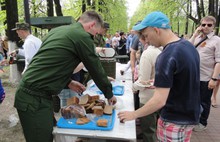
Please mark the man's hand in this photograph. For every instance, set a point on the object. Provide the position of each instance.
(112, 101)
(111, 78)
(197, 31)
(126, 116)
(212, 84)
(100, 49)
(76, 86)
(13, 53)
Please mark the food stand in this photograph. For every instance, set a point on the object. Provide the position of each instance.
(120, 132)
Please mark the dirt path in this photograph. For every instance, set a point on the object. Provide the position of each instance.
(10, 128)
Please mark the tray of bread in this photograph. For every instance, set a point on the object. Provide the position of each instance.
(87, 112)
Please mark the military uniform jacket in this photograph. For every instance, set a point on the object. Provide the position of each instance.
(61, 51)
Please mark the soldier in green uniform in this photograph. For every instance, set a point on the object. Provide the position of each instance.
(50, 70)
(99, 39)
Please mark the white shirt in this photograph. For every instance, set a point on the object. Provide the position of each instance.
(209, 52)
(30, 48)
(115, 41)
(146, 72)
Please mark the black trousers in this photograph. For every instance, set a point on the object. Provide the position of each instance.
(205, 94)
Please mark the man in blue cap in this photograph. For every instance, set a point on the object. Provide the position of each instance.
(176, 81)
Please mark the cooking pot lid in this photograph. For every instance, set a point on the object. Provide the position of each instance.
(107, 53)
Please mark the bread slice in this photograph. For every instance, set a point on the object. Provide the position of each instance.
(102, 122)
(93, 98)
(82, 121)
(84, 99)
(72, 101)
(108, 109)
(98, 110)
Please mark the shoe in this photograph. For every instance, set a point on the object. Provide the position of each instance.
(214, 105)
(199, 128)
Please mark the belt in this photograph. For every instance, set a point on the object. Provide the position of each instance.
(42, 94)
(34, 92)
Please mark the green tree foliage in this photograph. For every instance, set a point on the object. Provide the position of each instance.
(112, 11)
(182, 13)
(173, 9)
(2, 19)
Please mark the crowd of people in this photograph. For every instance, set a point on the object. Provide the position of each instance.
(175, 80)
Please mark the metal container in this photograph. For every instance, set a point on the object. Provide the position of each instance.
(109, 65)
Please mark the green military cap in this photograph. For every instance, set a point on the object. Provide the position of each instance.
(106, 25)
(21, 26)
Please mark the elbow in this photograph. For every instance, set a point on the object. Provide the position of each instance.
(161, 104)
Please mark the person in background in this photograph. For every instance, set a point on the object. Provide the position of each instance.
(5, 46)
(1, 56)
(146, 72)
(129, 42)
(108, 41)
(176, 81)
(122, 46)
(99, 39)
(115, 41)
(51, 69)
(31, 43)
(2, 92)
(135, 47)
(208, 47)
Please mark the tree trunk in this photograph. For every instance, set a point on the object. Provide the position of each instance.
(50, 8)
(93, 6)
(198, 10)
(83, 6)
(211, 8)
(187, 19)
(11, 8)
(27, 11)
(58, 8)
(195, 20)
(202, 8)
(89, 2)
(101, 2)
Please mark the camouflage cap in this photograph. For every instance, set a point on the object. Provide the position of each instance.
(21, 26)
(106, 25)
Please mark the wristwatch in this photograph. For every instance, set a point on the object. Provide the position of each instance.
(214, 79)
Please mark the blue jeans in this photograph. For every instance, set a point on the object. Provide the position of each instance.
(205, 94)
(1, 58)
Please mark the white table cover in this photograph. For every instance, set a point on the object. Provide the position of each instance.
(121, 131)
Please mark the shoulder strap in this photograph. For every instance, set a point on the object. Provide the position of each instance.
(201, 41)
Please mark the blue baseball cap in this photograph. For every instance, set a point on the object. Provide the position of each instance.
(154, 19)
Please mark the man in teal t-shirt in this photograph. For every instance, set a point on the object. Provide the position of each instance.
(50, 71)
